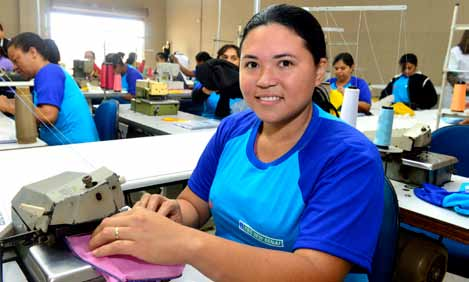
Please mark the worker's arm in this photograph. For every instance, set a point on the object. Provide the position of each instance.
(44, 113)
(183, 69)
(363, 107)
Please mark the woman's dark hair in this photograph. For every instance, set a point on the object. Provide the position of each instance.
(344, 57)
(132, 58)
(26, 40)
(298, 20)
(464, 43)
(225, 47)
(408, 58)
(162, 56)
(108, 58)
(116, 60)
(1, 27)
(203, 57)
(121, 54)
(53, 53)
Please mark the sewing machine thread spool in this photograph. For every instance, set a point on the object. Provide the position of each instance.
(103, 76)
(117, 83)
(458, 102)
(25, 122)
(350, 105)
(109, 82)
(384, 131)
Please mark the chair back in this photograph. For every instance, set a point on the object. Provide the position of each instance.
(384, 258)
(453, 140)
(106, 119)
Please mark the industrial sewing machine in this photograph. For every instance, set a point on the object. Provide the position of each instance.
(82, 72)
(151, 98)
(46, 211)
(408, 159)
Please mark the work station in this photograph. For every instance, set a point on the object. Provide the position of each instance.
(234, 140)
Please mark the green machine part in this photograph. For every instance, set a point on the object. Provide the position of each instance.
(155, 108)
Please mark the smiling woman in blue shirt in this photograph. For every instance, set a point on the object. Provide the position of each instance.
(291, 202)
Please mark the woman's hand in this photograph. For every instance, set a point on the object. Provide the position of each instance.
(161, 205)
(146, 235)
(6, 104)
(340, 89)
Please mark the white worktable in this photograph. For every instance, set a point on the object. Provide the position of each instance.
(156, 125)
(369, 123)
(8, 136)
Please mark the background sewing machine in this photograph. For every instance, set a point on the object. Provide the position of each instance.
(151, 98)
(46, 211)
(170, 74)
(409, 160)
(83, 73)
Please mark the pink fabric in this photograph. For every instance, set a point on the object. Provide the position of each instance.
(122, 268)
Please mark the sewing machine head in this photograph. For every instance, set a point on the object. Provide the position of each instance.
(417, 138)
(413, 163)
(82, 69)
(67, 203)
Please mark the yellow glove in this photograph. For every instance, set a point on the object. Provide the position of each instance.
(402, 109)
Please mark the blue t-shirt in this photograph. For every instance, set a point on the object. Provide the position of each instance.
(210, 105)
(400, 91)
(365, 94)
(54, 86)
(325, 194)
(130, 77)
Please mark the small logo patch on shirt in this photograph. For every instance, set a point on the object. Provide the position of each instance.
(278, 243)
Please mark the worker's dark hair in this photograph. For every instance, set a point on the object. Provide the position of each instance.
(131, 58)
(162, 55)
(52, 51)
(1, 27)
(344, 57)
(26, 40)
(202, 57)
(225, 47)
(116, 60)
(408, 58)
(296, 19)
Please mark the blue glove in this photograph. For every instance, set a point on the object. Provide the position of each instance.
(431, 194)
(459, 201)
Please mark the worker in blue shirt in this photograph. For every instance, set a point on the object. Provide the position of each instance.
(61, 109)
(296, 194)
(129, 77)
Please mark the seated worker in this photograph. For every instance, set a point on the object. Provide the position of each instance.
(411, 87)
(298, 204)
(214, 105)
(343, 67)
(196, 105)
(90, 56)
(61, 109)
(129, 77)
